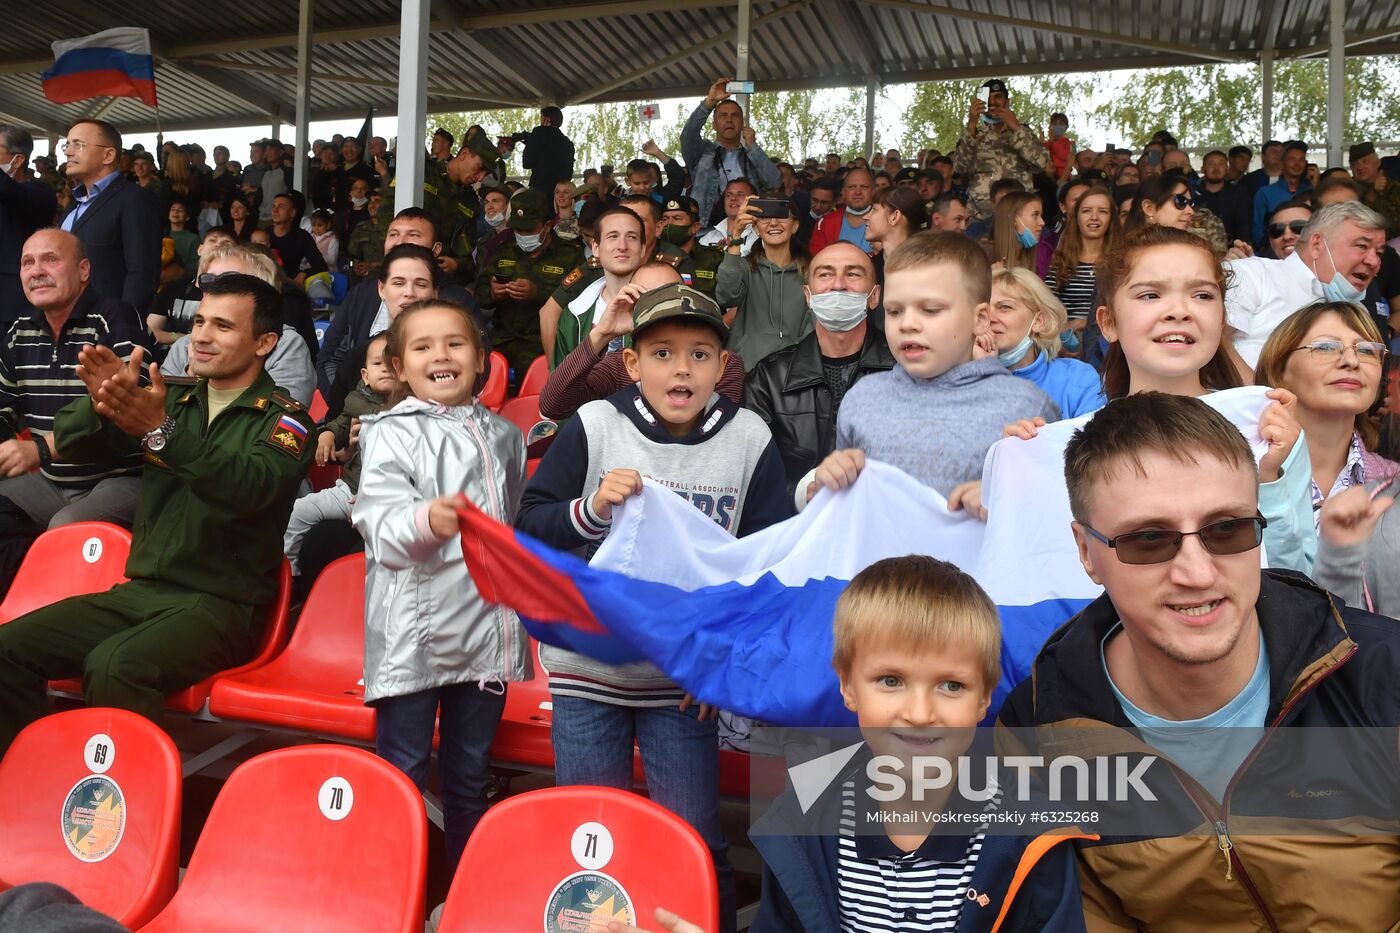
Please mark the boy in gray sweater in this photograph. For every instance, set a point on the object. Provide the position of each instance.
(939, 410)
(674, 428)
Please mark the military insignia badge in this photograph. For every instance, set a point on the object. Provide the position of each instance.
(573, 277)
(288, 435)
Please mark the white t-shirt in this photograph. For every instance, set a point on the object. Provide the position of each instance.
(719, 233)
(1262, 293)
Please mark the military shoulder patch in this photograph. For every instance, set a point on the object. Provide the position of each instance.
(288, 435)
(572, 277)
(552, 270)
(673, 261)
(705, 273)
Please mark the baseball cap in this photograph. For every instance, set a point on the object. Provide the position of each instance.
(1360, 151)
(683, 203)
(995, 84)
(906, 174)
(670, 302)
(528, 209)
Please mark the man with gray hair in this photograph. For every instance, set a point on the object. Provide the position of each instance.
(1337, 256)
(25, 205)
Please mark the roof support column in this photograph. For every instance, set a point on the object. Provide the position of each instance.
(741, 52)
(870, 87)
(413, 102)
(1266, 81)
(274, 126)
(1336, 81)
(303, 127)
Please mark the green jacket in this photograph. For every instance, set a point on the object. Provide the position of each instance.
(547, 269)
(363, 401)
(215, 501)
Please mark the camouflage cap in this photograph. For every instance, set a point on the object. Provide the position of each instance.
(528, 209)
(670, 302)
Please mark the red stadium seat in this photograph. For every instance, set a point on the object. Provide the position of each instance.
(119, 855)
(274, 639)
(312, 686)
(578, 854)
(319, 409)
(535, 377)
(493, 394)
(524, 411)
(72, 560)
(323, 477)
(320, 837)
(523, 736)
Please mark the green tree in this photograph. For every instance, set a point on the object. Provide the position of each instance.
(793, 125)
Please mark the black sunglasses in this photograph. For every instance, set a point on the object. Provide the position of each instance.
(209, 278)
(1276, 230)
(1228, 536)
(1183, 201)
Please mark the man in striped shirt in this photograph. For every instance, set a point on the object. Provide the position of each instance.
(38, 361)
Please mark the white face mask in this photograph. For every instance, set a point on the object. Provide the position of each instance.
(859, 211)
(359, 202)
(13, 168)
(529, 242)
(495, 220)
(839, 311)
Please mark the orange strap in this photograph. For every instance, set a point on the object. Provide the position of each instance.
(1035, 851)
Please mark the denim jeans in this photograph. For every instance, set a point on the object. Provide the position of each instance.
(680, 754)
(469, 717)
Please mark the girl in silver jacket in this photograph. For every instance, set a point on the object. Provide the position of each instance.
(434, 649)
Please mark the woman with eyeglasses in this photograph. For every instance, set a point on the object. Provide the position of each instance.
(1330, 355)
(1283, 227)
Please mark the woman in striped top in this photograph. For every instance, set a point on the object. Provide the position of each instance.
(1084, 242)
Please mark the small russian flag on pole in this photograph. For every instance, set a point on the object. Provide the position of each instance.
(112, 63)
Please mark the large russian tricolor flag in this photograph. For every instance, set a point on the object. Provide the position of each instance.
(745, 624)
(112, 63)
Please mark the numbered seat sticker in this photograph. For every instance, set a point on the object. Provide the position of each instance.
(99, 753)
(92, 550)
(336, 799)
(587, 901)
(94, 817)
(591, 846)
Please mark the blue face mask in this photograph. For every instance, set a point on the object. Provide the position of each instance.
(1017, 353)
(1339, 288)
(1027, 239)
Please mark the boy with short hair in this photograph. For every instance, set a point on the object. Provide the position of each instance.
(939, 410)
(916, 646)
(338, 441)
(671, 426)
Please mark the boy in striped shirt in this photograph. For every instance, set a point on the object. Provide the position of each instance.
(917, 650)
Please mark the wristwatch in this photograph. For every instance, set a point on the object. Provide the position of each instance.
(45, 457)
(155, 441)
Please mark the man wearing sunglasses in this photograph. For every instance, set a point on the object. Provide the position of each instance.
(1338, 255)
(1198, 652)
(117, 221)
(1293, 181)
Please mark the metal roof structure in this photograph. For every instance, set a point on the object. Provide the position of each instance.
(233, 66)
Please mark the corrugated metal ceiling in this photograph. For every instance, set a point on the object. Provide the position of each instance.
(240, 68)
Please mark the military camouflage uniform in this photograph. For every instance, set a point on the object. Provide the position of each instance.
(988, 155)
(1207, 225)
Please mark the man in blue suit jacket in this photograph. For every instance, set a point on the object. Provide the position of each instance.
(118, 223)
(25, 206)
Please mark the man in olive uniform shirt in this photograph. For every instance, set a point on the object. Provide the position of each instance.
(451, 199)
(224, 455)
(521, 276)
(680, 218)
